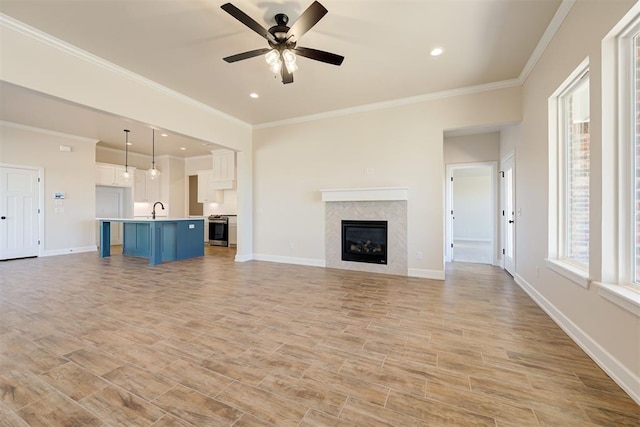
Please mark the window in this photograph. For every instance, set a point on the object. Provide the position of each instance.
(569, 155)
(574, 140)
(634, 141)
(620, 255)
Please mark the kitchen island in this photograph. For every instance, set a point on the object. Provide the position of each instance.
(160, 239)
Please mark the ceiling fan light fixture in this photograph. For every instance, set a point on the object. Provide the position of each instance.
(288, 56)
(272, 56)
(276, 66)
(283, 39)
(291, 67)
(289, 60)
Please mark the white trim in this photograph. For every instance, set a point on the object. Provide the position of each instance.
(365, 194)
(69, 251)
(426, 274)
(557, 208)
(311, 262)
(48, 132)
(243, 258)
(625, 378)
(504, 84)
(552, 29)
(575, 274)
(42, 37)
(449, 239)
(623, 296)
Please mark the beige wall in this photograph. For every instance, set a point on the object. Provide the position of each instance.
(70, 172)
(607, 331)
(474, 148)
(402, 147)
(82, 79)
(510, 136)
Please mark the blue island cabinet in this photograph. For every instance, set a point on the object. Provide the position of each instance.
(157, 239)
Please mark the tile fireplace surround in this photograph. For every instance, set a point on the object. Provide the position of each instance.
(386, 204)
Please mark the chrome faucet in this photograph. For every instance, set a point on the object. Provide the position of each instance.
(153, 212)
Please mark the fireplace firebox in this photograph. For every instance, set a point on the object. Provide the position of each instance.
(364, 241)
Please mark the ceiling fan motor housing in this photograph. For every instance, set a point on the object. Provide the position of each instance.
(279, 32)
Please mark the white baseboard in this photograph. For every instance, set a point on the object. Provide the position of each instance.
(311, 262)
(626, 379)
(68, 251)
(426, 274)
(243, 258)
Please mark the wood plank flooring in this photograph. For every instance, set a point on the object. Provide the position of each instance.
(86, 341)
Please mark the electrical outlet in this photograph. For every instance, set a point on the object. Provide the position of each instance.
(419, 255)
(292, 245)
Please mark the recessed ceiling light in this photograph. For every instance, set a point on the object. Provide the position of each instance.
(163, 134)
(129, 143)
(437, 51)
(254, 95)
(183, 148)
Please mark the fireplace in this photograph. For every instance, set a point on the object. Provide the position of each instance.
(364, 241)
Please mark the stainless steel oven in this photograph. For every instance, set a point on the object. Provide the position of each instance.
(218, 230)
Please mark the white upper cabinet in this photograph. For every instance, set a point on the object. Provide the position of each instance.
(207, 190)
(145, 189)
(224, 169)
(112, 175)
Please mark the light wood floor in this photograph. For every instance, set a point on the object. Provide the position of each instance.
(114, 342)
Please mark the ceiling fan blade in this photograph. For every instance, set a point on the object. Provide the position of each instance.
(287, 77)
(320, 55)
(308, 19)
(246, 55)
(247, 20)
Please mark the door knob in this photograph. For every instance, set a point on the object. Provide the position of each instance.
(3, 217)
(511, 221)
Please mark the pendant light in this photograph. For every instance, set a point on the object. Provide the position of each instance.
(125, 174)
(153, 172)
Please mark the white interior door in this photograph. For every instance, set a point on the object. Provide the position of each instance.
(19, 210)
(509, 216)
(109, 204)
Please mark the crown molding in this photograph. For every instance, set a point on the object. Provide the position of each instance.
(552, 29)
(395, 103)
(547, 36)
(42, 37)
(48, 132)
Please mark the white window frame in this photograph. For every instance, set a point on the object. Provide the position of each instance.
(616, 283)
(556, 260)
(626, 160)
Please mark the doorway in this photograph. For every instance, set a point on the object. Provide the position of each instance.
(20, 202)
(471, 213)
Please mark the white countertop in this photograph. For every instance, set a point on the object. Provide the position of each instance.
(148, 219)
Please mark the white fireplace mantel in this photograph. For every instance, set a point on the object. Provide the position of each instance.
(365, 194)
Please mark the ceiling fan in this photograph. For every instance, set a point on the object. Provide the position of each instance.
(282, 39)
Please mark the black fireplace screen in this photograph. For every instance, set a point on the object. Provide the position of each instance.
(364, 241)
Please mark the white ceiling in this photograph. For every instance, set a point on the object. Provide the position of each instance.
(180, 44)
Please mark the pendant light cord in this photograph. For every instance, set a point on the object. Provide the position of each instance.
(126, 152)
(153, 149)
